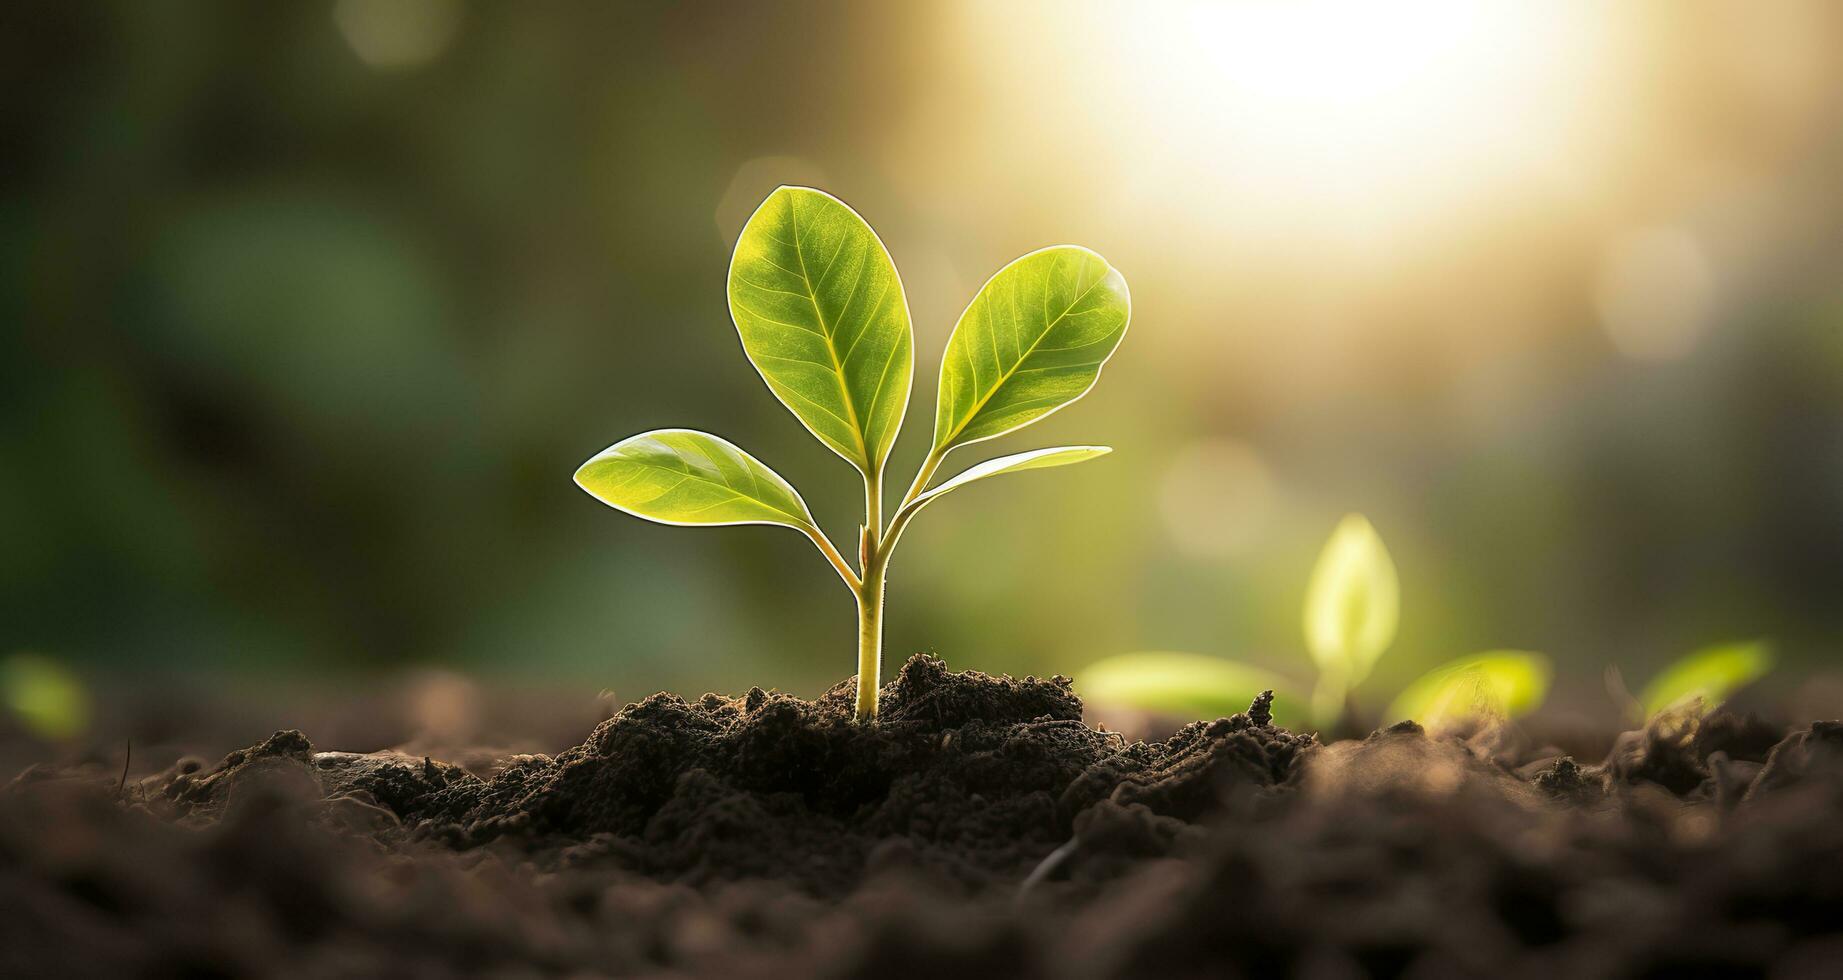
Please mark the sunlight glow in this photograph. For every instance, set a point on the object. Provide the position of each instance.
(1372, 110)
(1341, 120)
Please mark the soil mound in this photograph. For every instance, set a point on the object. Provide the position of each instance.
(966, 776)
(981, 828)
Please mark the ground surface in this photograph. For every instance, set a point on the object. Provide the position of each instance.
(980, 829)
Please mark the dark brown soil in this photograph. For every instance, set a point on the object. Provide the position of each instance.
(979, 829)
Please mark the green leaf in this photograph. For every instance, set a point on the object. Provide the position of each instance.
(686, 477)
(1498, 684)
(822, 316)
(1035, 459)
(1353, 603)
(1712, 674)
(1185, 684)
(1033, 340)
(49, 700)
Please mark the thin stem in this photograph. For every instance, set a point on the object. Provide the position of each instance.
(1328, 697)
(870, 599)
(929, 465)
(831, 552)
(911, 501)
(870, 639)
(873, 504)
(900, 521)
(874, 549)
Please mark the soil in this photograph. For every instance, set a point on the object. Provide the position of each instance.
(979, 829)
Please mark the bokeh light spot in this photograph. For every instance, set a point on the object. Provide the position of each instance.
(1216, 498)
(1654, 293)
(397, 34)
(45, 696)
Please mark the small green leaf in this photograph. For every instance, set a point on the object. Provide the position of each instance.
(1712, 674)
(822, 316)
(686, 477)
(1498, 684)
(1033, 340)
(45, 696)
(1185, 684)
(1353, 602)
(1035, 459)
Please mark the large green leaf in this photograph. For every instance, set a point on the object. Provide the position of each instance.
(682, 476)
(1032, 341)
(1035, 459)
(1185, 684)
(822, 316)
(1353, 603)
(1500, 684)
(1712, 674)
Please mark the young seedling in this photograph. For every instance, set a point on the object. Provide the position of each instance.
(1193, 685)
(45, 696)
(823, 317)
(1352, 606)
(1501, 684)
(1709, 676)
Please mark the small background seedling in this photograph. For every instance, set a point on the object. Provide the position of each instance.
(1186, 684)
(823, 317)
(1352, 609)
(1351, 612)
(1498, 684)
(45, 696)
(1709, 677)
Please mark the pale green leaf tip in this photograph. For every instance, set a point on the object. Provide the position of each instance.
(1032, 459)
(805, 190)
(48, 698)
(1712, 675)
(1497, 684)
(1353, 600)
(1117, 280)
(1177, 682)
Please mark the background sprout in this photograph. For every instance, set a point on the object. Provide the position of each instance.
(1189, 684)
(1352, 607)
(823, 317)
(1711, 674)
(49, 700)
(1501, 684)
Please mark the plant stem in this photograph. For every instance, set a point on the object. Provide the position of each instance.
(873, 506)
(929, 465)
(874, 547)
(831, 552)
(871, 563)
(1328, 697)
(870, 637)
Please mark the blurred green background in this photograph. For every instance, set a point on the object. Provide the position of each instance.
(309, 310)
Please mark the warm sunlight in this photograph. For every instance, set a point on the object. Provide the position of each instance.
(1334, 121)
